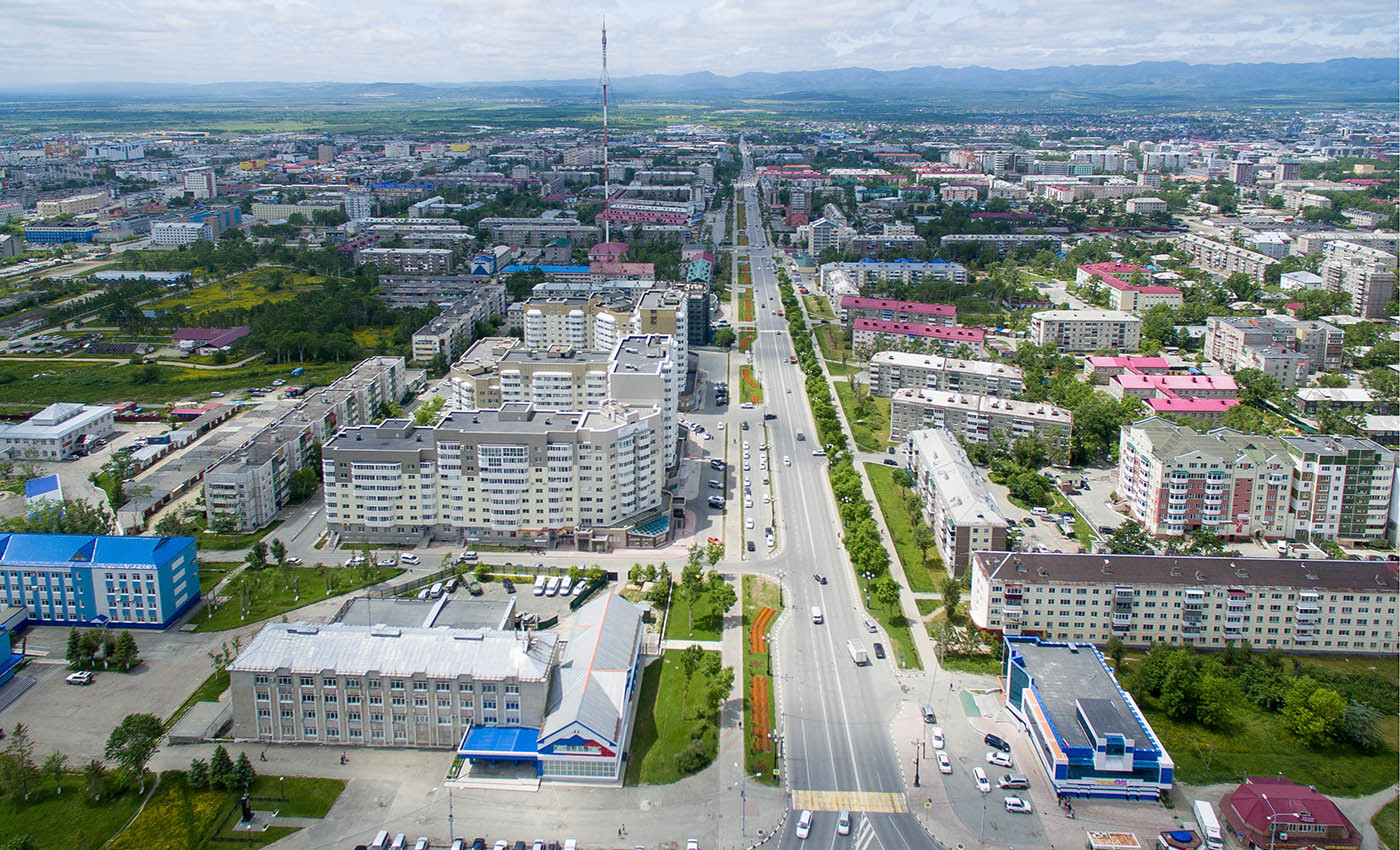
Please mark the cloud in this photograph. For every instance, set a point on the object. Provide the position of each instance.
(476, 40)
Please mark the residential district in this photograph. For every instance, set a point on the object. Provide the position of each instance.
(703, 485)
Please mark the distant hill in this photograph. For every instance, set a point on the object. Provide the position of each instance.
(1339, 81)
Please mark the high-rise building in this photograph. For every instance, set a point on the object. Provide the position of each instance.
(1242, 172)
(200, 184)
(359, 205)
(1342, 487)
(799, 206)
(1365, 274)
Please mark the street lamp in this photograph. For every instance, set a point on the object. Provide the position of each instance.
(744, 800)
(915, 742)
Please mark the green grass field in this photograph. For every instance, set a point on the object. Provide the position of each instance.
(1387, 824)
(889, 495)
(298, 796)
(208, 540)
(749, 388)
(38, 383)
(758, 593)
(243, 290)
(746, 339)
(680, 625)
(870, 428)
(818, 308)
(279, 591)
(58, 820)
(665, 720)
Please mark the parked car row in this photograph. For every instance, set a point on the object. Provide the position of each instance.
(383, 841)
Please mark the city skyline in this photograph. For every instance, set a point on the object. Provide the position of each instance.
(468, 41)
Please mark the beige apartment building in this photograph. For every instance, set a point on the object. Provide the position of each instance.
(899, 370)
(1274, 603)
(1365, 274)
(1223, 257)
(980, 419)
(956, 501)
(75, 205)
(1087, 330)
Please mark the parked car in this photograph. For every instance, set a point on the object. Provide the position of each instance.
(936, 733)
(474, 589)
(409, 558)
(82, 677)
(995, 741)
(388, 562)
(944, 765)
(752, 547)
(508, 585)
(879, 649)
(1016, 804)
(979, 776)
(927, 711)
(999, 759)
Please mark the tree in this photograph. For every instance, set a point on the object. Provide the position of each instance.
(724, 338)
(714, 551)
(221, 769)
(126, 652)
(243, 773)
(22, 842)
(923, 538)
(17, 767)
(198, 777)
(692, 585)
(691, 657)
(720, 593)
(278, 550)
(75, 516)
(1216, 697)
(1311, 712)
(93, 774)
(951, 593)
(133, 743)
(1361, 726)
(53, 765)
(1256, 386)
(257, 555)
(75, 647)
(1130, 538)
(885, 591)
(1114, 650)
(721, 682)
(1179, 687)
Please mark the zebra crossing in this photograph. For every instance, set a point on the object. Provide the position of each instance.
(882, 802)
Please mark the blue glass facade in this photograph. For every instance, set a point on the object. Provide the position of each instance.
(54, 234)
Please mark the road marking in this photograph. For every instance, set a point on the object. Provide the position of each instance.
(865, 835)
(881, 802)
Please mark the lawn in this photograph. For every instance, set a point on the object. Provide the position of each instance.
(749, 388)
(818, 308)
(870, 422)
(1387, 823)
(278, 591)
(243, 290)
(746, 339)
(832, 341)
(927, 606)
(706, 623)
(758, 593)
(901, 638)
(663, 729)
(746, 305)
(211, 573)
(298, 796)
(63, 820)
(209, 540)
(985, 665)
(37, 383)
(890, 497)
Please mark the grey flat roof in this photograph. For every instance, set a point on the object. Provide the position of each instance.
(444, 612)
(1067, 680)
(1187, 571)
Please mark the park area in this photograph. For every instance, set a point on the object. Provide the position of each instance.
(869, 416)
(902, 510)
(749, 388)
(677, 731)
(32, 384)
(268, 284)
(762, 604)
(254, 595)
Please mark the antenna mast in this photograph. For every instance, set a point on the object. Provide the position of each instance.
(607, 229)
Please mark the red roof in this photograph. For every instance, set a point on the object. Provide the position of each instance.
(860, 302)
(957, 333)
(1263, 801)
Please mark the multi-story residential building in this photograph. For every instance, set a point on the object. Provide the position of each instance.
(1224, 258)
(80, 580)
(306, 209)
(1003, 242)
(1316, 241)
(1195, 396)
(358, 205)
(978, 418)
(876, 332)
(1128, 297)
(1274, 603)
(170, 234)
(451, 330)
(536, 232)
(1099, 368)
(1176, 481)
(253, 482)
(956, 501)
(441, 235)
(860, 307)
(75, 205)
(1087, 330)
(512, 475)
(1288, 349)
(1342, 487)
(200, 184)
(1145, 206)
(1365, 274)
(898, 370)
(870, 274)
(406, 260)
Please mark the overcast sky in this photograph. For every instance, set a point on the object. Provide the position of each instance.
(488, 40)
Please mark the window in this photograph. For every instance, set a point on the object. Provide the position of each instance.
(260, 680)
(396, 684)
(420, 686)
(308, 681)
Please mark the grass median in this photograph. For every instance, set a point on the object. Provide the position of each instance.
(749, 388)
(760, 749)
(746, 305)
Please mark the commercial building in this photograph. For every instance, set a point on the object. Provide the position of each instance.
(1145, 206)
(74, 205)
(865, 332)
(1311, 606)
(859, 307)
(405, 260)
(1365, 274)
(1288, 349)
(898, 370)
(82, 580)
(516, 475)
(59, 232)
(1224, 258)
(1278, 813)
(1127, 296)
(956, 500)
(449, 332)
(1087, 733)
(171, 234)
(55, 432)
(1087, 330)
(976, 418)
(199, 184)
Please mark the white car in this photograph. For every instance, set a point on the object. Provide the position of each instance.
(980, 777)
(82, 677)
(388, 562)
(998, 758)
(692, 844)
(1016, 804)
(746, 445)
(787, 461)
(937, 734)
(804, 823)
(944, 766)
(843, 822)
(748, 522)
(409, 558)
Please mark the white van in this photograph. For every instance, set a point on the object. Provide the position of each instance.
(540, 582)
(551, 588)
(816, 615)
(1039, 511)
(400, 842)
(436, 590)
(381, 840)
(566, 584)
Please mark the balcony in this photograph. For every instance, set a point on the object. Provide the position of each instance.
(1011, 613)
(1122, 620)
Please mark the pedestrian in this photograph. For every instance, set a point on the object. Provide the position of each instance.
(262, 756)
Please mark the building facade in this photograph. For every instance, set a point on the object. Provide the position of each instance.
(899, 370)
(956, 501)
(56, 432)
(1366, 275)
(409, 260)
(1223, 257)
(878, 333)
(980, 419)
(1087, 330)
(912, 312)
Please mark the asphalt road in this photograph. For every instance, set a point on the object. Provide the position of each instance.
(834, 716)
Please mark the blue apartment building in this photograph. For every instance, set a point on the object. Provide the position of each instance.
(1088, 734)
(85, 580)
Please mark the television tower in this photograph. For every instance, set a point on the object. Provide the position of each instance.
(607, 229)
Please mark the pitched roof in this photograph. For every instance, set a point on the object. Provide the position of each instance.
(591, 685)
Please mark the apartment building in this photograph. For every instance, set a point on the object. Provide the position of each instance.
(171, 234)
(515, 475)
(128, 582)
(1224, 258)
(1145, 206)
(871, 273)
(1289, 349)
(253, 482)
(1342, 487)
(451, 330)
(1087, 330)
(1310, 606)
(898, 370)
(859, 307)
(1365, 274)
(538, 232)
(199, 183)
(409, 260)
(956, 501)
(875, 332)
(1003, 242)
(1127, 296)
(306, 209)
(1199, 397)
(978, 418)
(74, 205)
(1316, 241)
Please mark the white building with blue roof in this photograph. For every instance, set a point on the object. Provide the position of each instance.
(82, 580)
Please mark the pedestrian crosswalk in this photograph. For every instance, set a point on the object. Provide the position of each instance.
(853, 801)
(865, 834)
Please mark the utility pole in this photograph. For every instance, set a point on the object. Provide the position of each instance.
(450, 834)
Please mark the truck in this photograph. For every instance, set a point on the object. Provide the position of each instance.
(857, 650)
(1210, 827)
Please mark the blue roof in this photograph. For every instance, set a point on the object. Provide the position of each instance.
(87, 550)
(499, 741)
(549, 269)
(41, 486)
